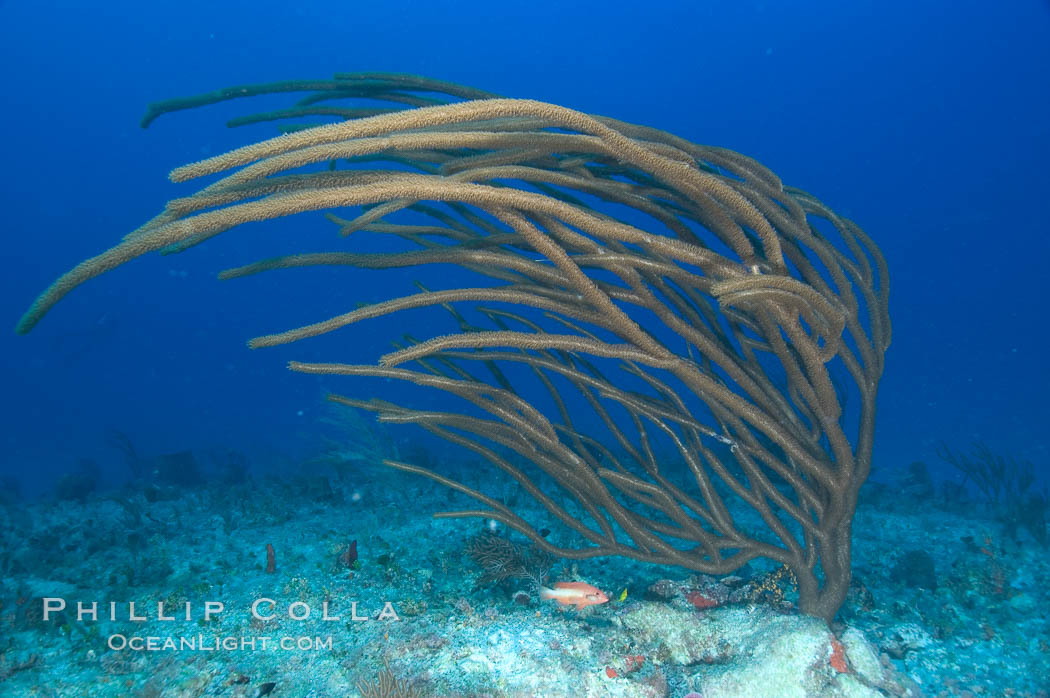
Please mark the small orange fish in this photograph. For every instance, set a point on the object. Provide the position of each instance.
(576, 594)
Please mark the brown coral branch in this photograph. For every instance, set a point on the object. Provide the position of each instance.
(692, 304)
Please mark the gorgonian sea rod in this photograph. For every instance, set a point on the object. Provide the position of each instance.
(696, 309)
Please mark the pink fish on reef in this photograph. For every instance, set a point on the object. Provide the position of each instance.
(576, 594)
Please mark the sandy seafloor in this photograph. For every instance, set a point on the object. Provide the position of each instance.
(942, 605)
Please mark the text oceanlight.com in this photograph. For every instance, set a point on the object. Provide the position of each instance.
(214, 643)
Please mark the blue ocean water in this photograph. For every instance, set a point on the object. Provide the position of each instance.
(926, 123)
